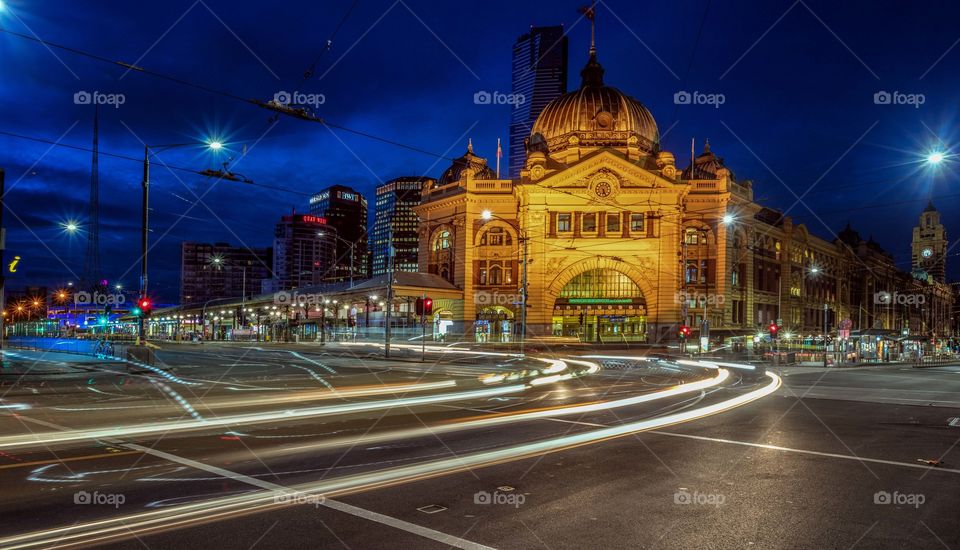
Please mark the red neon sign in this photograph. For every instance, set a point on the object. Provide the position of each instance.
(313, 219)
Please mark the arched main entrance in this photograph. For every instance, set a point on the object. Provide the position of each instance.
(601, 305)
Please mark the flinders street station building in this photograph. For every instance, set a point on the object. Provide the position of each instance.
(615, 242)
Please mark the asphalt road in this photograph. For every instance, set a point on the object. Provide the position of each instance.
(299, 446)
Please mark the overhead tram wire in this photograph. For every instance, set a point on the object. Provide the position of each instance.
(140, 161)
(216, 91)
(329, 43)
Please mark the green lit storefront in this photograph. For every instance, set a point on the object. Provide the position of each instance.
(600, 305)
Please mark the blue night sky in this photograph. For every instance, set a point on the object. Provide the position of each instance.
(799, 117)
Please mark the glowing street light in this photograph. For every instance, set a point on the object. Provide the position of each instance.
(69, 226)
(727, 219)
(214, 145)
(487, 215)
(936, 157)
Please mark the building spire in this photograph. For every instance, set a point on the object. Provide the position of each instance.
(470, 145)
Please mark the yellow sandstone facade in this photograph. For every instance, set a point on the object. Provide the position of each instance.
(620, 244)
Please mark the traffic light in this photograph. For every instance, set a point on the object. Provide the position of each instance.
(684, 332)
(145, 305)
(424, 306)
(774, 330)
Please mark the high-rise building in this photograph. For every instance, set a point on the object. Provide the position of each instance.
(219, 270)
(304, 248)
(396, 223)
(929, 245)
(540, 75)
(345, 209)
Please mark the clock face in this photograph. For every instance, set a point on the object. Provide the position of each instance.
(602, 189)
(927, 252)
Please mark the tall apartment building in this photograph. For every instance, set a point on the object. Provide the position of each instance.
(304, 248)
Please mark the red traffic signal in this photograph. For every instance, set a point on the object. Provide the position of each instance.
(774, 329)
(424, 306)
(145, 305)
(684, 331)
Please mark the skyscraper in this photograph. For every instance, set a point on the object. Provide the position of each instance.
(345, 210)
(540, 74)
(396, 222)
(303, 251)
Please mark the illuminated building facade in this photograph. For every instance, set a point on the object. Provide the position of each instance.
(621, 244)
(395, 223)
(218, 270)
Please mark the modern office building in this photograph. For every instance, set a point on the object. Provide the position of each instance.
(304, 252)
(540, 75)
(345, 209)
(211, 271)
(396, 223)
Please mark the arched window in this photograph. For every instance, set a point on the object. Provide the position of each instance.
(442, 240)
(496, 275)
(601, 283)
(691, 236)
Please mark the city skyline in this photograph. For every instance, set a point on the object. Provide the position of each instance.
(869, 165)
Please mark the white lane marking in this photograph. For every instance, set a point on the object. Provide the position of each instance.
(334, 504)
(578, 422)
(425, 532)
(317, 363)
(805, 451)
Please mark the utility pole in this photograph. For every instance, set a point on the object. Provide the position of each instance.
(144, 220)
(423, 328)
(386, 327)
(523, 298)
(825, 313)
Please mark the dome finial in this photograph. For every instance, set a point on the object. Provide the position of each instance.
(706, 145)
(470, 145)
(592, 73)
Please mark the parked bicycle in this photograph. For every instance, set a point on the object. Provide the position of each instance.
(103, 349)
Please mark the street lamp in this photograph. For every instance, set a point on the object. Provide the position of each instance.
(70, 226)
(728, 219)
(348, 243)
(145, 209)
(487, 215)
(936, 157)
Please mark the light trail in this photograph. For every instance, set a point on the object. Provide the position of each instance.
(98, 532)
(502, 418)
(17, 441)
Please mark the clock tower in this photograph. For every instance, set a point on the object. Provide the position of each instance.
(929, 246)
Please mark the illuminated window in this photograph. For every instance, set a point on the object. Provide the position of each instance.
(495, 236)
(564, 222)
(496, 275)
(601, 283)
(589, 223)
(636, 222)
(691, 236)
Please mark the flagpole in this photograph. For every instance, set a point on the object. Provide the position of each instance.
(499, 153)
